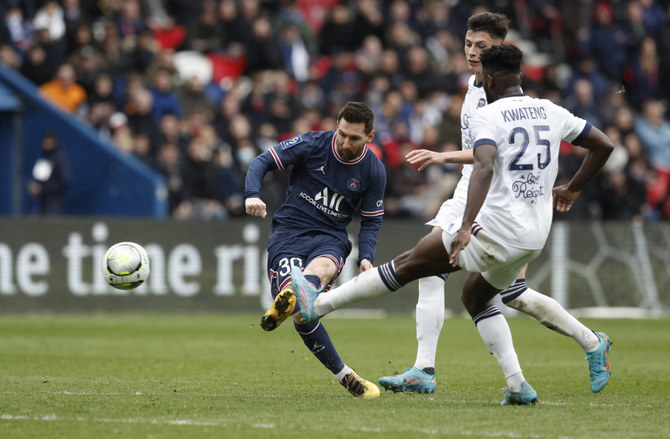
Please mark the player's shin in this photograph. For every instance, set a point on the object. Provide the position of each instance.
(367, 285)
(552, 315)
(495, 333)
(429, 320)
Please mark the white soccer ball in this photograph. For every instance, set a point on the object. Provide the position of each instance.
(126, 265)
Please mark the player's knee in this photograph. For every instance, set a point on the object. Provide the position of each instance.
(403, 267)
(470, 303)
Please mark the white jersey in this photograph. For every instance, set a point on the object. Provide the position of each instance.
(527, 133)
(452, 209)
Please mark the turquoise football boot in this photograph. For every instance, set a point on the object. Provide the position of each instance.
(599, 363)
(411, 380)
(525, 396)
(306, 294)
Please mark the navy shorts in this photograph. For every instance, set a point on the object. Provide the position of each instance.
(283, 254)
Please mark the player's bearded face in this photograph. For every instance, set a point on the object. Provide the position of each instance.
(475, 43)
(351, 139)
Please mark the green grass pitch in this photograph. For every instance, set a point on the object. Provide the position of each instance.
(221, 376)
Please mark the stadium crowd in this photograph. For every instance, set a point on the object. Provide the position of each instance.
(197, 89)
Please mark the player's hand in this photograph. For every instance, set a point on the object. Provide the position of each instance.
(425, 157)
(564, 198)
(461, 239)
(365, 265)
(255, 207)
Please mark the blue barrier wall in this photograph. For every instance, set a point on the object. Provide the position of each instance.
(104, 181)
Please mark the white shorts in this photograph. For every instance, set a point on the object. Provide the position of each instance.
(451, 212)
(500, 264)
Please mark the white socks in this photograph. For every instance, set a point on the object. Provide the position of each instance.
(366, 285)
(339, 376)
(552, 315)
(498, 339)
(429, 320)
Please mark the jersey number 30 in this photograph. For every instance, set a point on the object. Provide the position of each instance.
(525, 140)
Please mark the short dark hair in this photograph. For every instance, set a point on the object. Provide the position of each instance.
(358, 112)
(495, 24)
(504, 58)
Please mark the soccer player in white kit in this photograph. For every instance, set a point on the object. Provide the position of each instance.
(485, 29)
(507, 216)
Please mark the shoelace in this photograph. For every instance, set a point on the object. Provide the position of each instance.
(353, 384)
(595, 362)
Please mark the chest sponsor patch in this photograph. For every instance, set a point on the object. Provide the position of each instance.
(285, 144)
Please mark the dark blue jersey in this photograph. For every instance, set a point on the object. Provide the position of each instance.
(324, 190)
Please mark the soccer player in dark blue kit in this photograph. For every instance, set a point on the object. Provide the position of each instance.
(334, 175)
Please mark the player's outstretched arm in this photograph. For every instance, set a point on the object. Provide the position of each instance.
(427, 157)
(255, 207)
(600, 147)
(480, 182)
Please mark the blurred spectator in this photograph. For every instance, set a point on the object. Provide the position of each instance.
(50, 17)
(64, 91)
(623, 197)
(35, 67)
(642, 75)
(608, 44)
(121, 135)
(55, 50)
(169, 131)
(139, 110)
(653, 17)
(205, 34)
(263, 49)
(193, 98)
(233, 27)
(664, 57)
(75, 18)
(419, 71)
(587, 69)
(130, 22)
(294, 52)
(199, 176)
(88, 63)
(337, 33)
(582, 102)
(341, 81)
(142, 150)
(166, 100)
(17, 30)
(369, 21)
(228, 181)
(168, 164)
(654, 132)
(634, 25)
(50, 179)
(9, 57)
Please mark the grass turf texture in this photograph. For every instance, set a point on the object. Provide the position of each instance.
(207, 375)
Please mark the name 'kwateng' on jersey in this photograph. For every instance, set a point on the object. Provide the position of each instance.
(527, 133)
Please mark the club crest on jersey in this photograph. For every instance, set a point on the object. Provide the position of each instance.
(481, 103)
(285, 144)
(354, 184)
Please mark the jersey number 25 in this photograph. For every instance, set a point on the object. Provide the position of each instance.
(522, 133)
